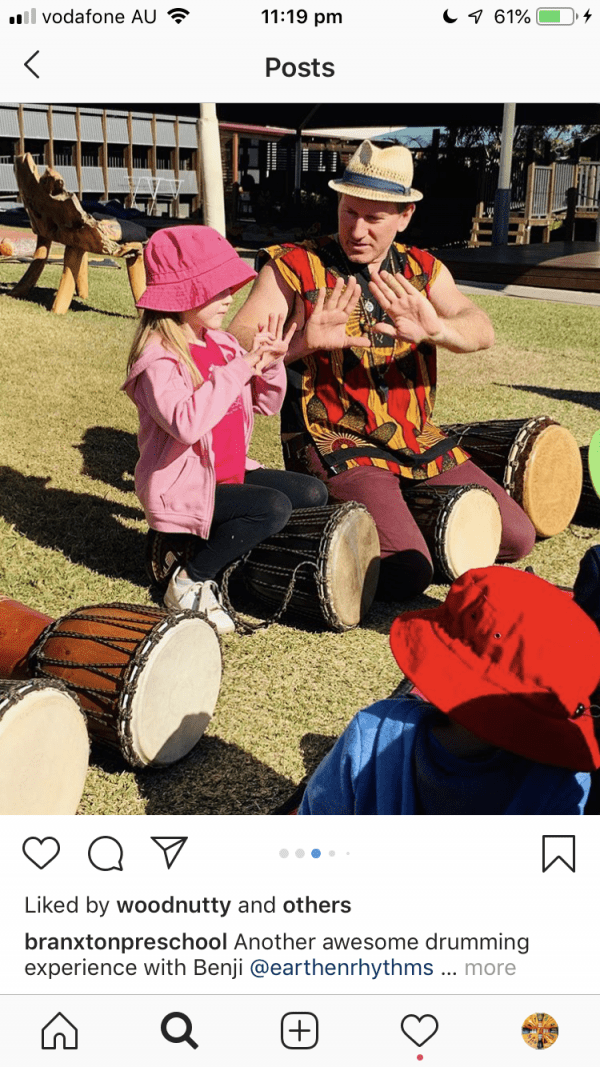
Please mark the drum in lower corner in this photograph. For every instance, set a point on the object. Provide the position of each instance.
(148, 681)
(331, 552)
(461, 524)
(20, 626)
(588, 508)
(44, 749)
(536, 460)
(165, 552)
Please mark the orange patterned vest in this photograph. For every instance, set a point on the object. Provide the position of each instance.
(377, 401)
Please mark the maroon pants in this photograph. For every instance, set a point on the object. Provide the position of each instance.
(406, 565)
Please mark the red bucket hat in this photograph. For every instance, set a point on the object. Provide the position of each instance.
(513, 659)
(186, 266)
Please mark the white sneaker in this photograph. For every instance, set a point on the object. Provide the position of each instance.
(204, 597)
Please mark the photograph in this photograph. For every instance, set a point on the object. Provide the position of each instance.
(300, 459)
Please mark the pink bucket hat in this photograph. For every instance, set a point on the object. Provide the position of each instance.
(186, 266)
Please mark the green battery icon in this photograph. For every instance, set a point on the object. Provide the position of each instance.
(555, 16)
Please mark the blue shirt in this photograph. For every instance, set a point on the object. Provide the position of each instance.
(388, 762)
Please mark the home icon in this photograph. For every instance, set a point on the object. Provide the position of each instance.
(59, 1033)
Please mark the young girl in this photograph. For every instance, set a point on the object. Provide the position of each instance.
(196, 391)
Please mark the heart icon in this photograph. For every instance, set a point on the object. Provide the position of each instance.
(41, 851)
(419, 1028)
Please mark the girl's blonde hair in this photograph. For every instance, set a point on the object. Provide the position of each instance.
(167, 326)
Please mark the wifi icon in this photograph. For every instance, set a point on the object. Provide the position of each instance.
(178, 14)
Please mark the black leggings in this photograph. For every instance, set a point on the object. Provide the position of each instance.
(245, 514)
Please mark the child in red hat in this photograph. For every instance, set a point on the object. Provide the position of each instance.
(503, 723)
(196, 391)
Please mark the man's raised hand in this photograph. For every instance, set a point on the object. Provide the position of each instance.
(325, 328)
(413, 316)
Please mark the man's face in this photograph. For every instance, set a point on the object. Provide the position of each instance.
(367, 228)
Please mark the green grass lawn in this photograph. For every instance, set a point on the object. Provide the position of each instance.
(72, 531)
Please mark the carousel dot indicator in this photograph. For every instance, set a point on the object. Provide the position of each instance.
(300, 853)
(332, 853)
(283, 852)
(316, 853)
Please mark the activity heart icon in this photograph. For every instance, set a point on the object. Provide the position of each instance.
(419, 1028)
(41, 851)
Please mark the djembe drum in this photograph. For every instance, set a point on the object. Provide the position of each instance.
(165, 552)
(461, 524)
(148, 681)
(536, 460)
(329, 554)
(44, 749)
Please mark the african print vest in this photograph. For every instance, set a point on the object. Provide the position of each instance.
(373, 404)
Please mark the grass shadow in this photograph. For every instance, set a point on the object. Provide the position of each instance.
(109, 456)
(216, 778)
(85, 528)
(574, 396)
(45, 298)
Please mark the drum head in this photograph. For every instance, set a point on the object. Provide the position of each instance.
(175, 693)
(351, 567)
(553, 481)
(44, 751)
(472, 533)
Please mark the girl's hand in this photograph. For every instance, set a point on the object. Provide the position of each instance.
(413, 316)
(326, 326)
(270, 344)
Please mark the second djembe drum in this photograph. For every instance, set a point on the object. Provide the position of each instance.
(536, 460)
(461, 525)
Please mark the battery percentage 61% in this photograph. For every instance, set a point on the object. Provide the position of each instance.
(511, 15)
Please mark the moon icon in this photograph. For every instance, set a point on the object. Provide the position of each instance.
(447, 17)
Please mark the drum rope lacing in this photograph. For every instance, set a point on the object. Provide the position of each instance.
(126, 683)
(241, 624)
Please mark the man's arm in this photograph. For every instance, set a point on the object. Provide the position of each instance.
(326, 326)
(447, 318)
(269, 295)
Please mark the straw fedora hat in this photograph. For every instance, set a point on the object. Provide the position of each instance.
(379, 174)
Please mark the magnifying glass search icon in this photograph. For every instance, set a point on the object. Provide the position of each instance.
(177, 1038)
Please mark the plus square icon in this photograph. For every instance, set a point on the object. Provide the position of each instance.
(299, 1029)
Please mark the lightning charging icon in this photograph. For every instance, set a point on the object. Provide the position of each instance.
(587, 15)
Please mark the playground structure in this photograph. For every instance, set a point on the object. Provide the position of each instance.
(57, 215)
(559, 193)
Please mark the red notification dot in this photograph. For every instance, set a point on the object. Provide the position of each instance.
(419, 1057)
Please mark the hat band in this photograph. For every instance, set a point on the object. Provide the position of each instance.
(368, 181)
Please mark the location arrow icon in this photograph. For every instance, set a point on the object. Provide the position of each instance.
(476, 15)
(171, 847)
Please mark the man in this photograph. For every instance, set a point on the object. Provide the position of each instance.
(370, 312)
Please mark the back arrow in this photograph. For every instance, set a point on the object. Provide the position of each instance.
(28, 61)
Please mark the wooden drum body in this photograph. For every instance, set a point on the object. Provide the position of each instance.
(333, 551)
(149, 681)
(20, 626)
(44, 749)
(536, 460)
(461, 525)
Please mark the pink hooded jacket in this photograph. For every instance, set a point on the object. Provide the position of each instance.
(175, 474)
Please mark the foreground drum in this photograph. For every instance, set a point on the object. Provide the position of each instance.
(149, 681)
(20, 626)
(333, 552)
(536, 460)
(461, 525)
(44, 749)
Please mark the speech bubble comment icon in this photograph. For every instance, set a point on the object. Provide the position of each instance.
(106, 854)
(419, 1028)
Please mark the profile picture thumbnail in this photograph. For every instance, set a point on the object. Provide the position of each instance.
(539, 1030)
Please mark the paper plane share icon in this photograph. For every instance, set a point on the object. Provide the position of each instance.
(171, 847)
